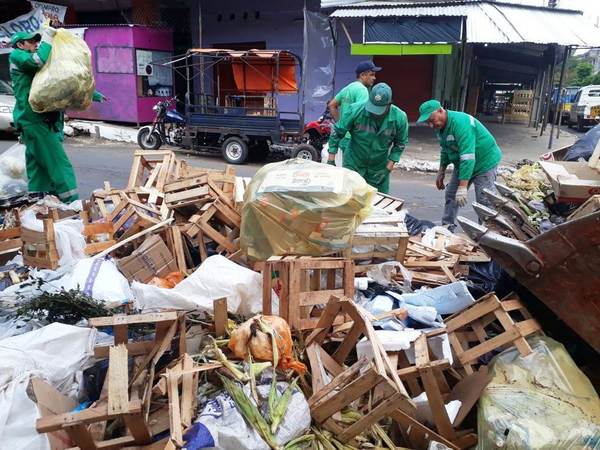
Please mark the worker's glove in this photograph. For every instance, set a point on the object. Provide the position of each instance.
(439, 180)
(461, 196)
(331, 162)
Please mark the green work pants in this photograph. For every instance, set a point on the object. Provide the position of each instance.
(378, 177)
(48, 167)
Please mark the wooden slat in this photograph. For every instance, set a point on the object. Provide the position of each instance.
(118, 386)
(220, 315)
(122, 319)
(90, 415)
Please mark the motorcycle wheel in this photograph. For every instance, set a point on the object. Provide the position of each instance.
(149, 141)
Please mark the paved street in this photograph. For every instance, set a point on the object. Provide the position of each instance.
(97, 161)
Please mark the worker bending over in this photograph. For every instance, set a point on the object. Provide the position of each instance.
(470, 147)
(378, 135)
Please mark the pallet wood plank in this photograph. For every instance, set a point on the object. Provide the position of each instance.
(118, 395)
(220, 316)
(174, 408)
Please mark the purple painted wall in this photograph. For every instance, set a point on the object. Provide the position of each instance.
(113, 49)
(281, 25)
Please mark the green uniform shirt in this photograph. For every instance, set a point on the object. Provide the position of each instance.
(23, 67)
(467, 144)
(355, 92)
(372, 142)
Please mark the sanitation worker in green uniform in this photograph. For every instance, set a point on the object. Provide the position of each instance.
(378, 135)
(355, 92)
(48, 167)
(467, 144)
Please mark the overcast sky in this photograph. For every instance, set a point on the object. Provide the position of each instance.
(591, 8)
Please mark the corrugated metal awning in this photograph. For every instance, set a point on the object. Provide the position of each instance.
(493, 22)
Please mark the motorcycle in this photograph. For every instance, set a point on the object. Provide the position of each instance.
(317, 132)
(167, 128)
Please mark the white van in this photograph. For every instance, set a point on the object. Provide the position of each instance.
(586, 98)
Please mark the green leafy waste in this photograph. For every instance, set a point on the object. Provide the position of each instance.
(68, 307)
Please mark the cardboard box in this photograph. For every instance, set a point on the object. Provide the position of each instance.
(573, 182)
(151, 259)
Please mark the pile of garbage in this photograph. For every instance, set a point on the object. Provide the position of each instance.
(196, 309)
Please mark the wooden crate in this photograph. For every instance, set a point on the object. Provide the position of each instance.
(152, 169)
(39, 247)
(301, 287)
(386, 239)
(218, 222)
(336, 387)
(130, 217)
(10, 240)
(98, 236)
(468, 330)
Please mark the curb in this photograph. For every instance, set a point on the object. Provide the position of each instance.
(103, 130)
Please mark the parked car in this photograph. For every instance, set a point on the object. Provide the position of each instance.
(7, 104)
(581, 111)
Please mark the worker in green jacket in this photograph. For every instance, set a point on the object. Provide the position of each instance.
(355, 92)
(468, 145)
(48, 167)
(378, 135)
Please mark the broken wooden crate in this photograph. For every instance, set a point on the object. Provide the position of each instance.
(130, 217)
(431, 266)
(306, 284)
(428, 375)
(370, 386)
(98, 235)
(10, 236)
(487, 325)
(134, 399)
(152, 169)
(39, 247)
(218, 222)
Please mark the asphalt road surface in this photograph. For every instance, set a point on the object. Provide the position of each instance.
(96, 162)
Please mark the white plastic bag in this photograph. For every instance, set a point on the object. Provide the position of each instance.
(13, 175)
(56, 353)
(221, 426)
(539, 401)
(70, 242)
(339, 156)
(100, 279)
(217, 277)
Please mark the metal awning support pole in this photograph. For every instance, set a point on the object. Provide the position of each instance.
(548, 95)
(538, 109)
(558, 110)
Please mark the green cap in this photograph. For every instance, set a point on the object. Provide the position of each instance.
(427, 108)
(24, 36)
(380, 98)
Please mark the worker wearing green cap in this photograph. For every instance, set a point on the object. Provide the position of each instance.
(48, 167)
(378, 135)
(355, 92)
(470, 147)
